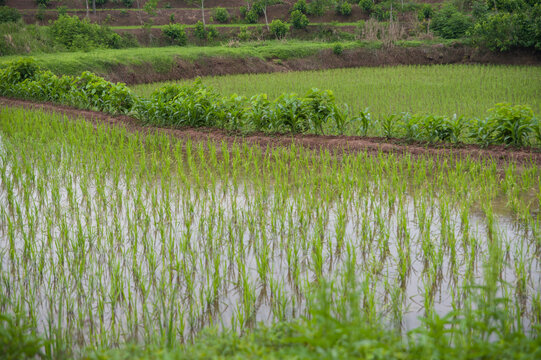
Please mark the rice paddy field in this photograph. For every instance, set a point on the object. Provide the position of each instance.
(467, 90)
(110, 238)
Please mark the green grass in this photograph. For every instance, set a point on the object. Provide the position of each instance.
(111, 238)
(100, 61)
(467, 90)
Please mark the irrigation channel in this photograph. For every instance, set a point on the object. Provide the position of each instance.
(109, 237)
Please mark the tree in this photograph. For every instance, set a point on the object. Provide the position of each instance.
(264, 5)
(202, 6)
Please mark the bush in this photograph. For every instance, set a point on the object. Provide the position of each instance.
(199, 30)
(175, 33)
(380, 13)
(338, 49)
(77, 34)
(318, 7)
(300, 6)
(23, 79)
(279, 28)
(8, 14)
(128, 3)
(367, 6)
(299, 20)
(425, 13)
(47, 2)
(252, 17)
(343, 8)
(449, 23)
(221, 15)
(503, 31)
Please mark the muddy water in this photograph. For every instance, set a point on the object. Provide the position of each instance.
(121, 259)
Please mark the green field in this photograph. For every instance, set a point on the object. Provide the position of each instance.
(162, 58)
(467, 90)
(111, 237)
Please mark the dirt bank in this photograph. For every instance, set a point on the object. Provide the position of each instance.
(422, 55)
(349, 144)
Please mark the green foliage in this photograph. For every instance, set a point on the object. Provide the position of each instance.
(47, 2)
(299, 20)
(199, 31)
(343, 8)
(425, 13)
(380, 13)
(318, 7)
(503, 31)
(23, 79)
(8, 14)
(300, 6)
(77, 34)
(175, 33)
(221, 15)
(338, 49)
(449, 23)
(252, 17)
(367, 6)
(128, 3)
(479, 9)
(512, 124)
(278, 28)
(18, 340)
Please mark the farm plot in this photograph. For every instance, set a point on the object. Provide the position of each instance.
(111, 237)
(467, 90)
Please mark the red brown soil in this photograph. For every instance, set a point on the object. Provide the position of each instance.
(335, 144)
(391, 56)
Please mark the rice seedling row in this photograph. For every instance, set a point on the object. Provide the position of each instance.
(111, 237)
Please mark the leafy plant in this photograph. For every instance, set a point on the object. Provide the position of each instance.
(18, 339)
(367, 6)
(299, 20)
(338, 49)
(449, 23)
(343, 8)
(301, 6)
(8, 14)
(221, 15)
(278, 28)
(512, 124)
(175, 33)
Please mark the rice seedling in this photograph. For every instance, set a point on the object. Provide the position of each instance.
(110, 238)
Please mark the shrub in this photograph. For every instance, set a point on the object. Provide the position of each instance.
(101, 2)
(8, 14)
(503, 31)
(479, 9)
(221, 15)
(299, 20)
(279, 28)
(380, 13)
(252, 17)
(300, 6)
(175, 33)
(128, 3)
(77, 34)
(425, 13)
(449, 23)
(318, 7)
(512, 124)
(367, 6)
(338, 49)
(343, 8)
(199, 31)
(47, 2)
(244, 34)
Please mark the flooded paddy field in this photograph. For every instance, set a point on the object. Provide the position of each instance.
(109, 237)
